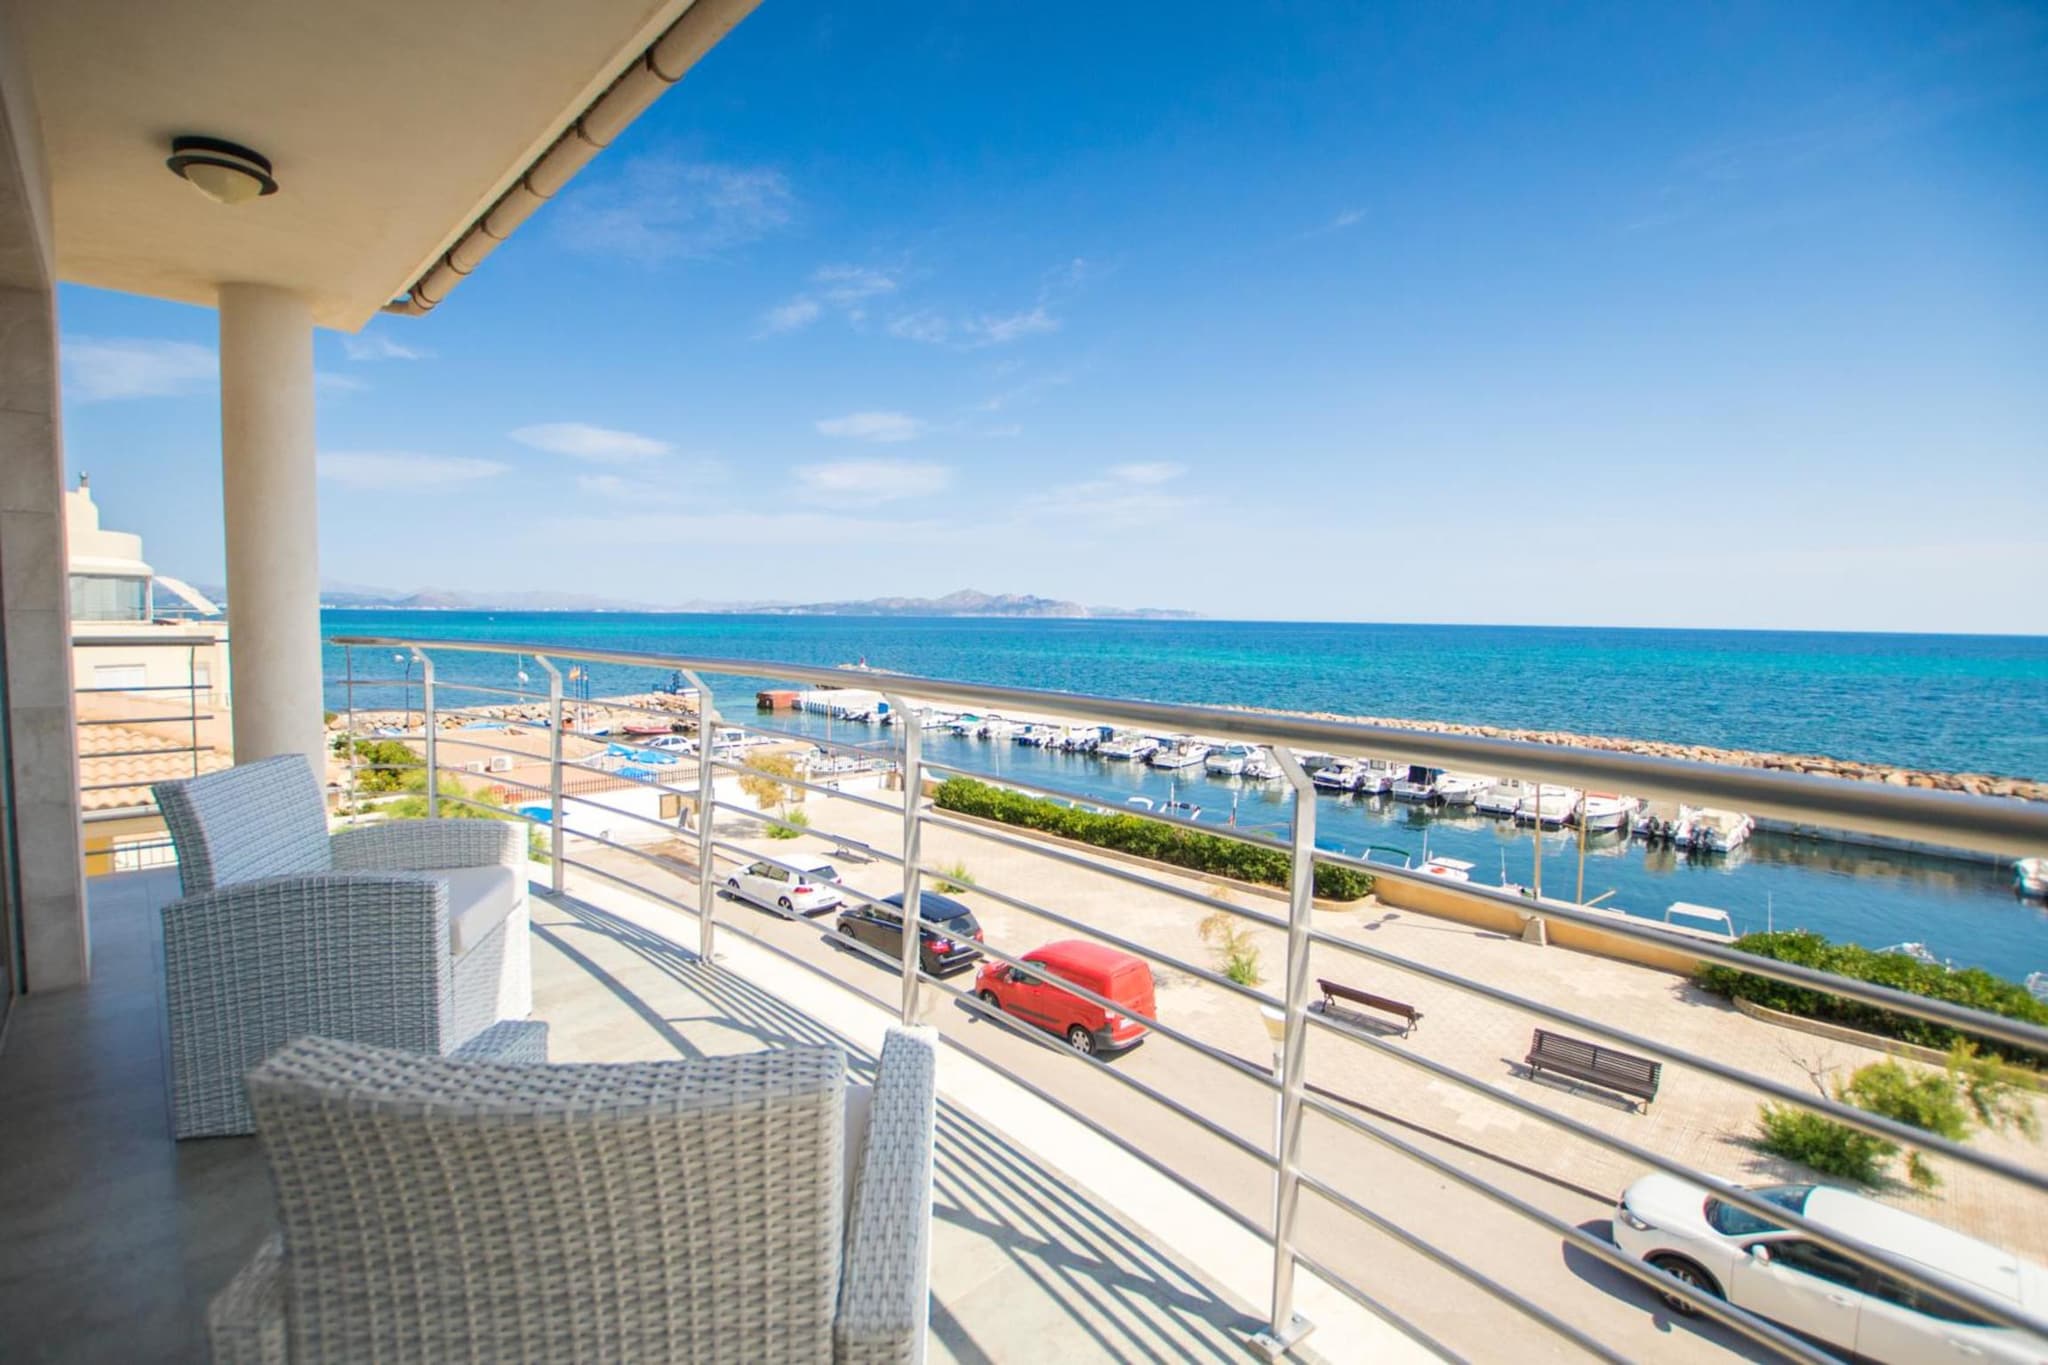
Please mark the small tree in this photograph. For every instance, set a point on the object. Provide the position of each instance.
(379, 764)
(459, 803)
(1237, 956)
(794, 817)
(765, 790)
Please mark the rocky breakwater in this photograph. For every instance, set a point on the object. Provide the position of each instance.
(1975, 784)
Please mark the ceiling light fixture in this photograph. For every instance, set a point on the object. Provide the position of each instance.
(224, 172)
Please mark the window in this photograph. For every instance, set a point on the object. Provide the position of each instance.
(119, 675)
(1919, 1300)
(1813, 1259)
(98, 598)
(1731, 1221)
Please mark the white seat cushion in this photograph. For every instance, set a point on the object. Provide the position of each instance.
(479, 900)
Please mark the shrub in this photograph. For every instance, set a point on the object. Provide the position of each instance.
(957, 879)
(793, 817)
(386, 754)
(458, 803)
(1237, 957)
(1971, 987)
(1145, 838)
(1828, 1147)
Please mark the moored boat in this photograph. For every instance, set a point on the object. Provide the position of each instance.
(1547, 805)
(1341, 776)
(1447, 869)
(1184, 752)
(1461, 789)
(1229, 760)
(2030, 877)
(1503, 796)
(1128, 747)
(1378, 776)
(1599, 812)
(1705, 829)
(1418, 783)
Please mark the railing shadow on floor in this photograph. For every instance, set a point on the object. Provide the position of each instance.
(1086, 1260)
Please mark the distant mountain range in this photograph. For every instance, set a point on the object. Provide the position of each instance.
(966, 602)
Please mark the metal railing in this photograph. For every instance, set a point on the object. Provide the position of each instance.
(1961, 821)
(168, 725)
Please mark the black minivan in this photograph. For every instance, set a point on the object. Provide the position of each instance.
(946, 939)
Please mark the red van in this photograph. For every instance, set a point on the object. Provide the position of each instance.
(1086, 1026)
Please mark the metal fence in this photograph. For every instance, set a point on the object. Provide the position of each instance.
(1926, 817)
(163, 720)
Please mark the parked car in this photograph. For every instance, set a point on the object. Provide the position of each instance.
(1087, 1026)
(946, 938)
(800, 888)
(1781, 1274)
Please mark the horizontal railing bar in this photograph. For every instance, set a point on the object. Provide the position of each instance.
(442, 684)
(192, 687)
(1108, 936)
(1734, 1194)
(95, 817)
(142, 783)
(1982, 823)
(1157, 1096)
(855, 798)
(146, 753)
(1979, 1022)
(1478, 1279)
(1161, 816)
(1107, 869)
(1019, 1029)
(1230, 1060)
(1877, 1124)
(186, 719)
(1756, 1329)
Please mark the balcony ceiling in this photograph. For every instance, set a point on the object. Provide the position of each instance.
(391, 125)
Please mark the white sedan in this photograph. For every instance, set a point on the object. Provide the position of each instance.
(1781, 1274)
(800, 888)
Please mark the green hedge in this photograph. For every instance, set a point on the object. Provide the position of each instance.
(1972, 987)
(1145, 838)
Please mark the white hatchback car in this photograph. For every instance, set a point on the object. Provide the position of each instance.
(808, 890)
(1781, 1274)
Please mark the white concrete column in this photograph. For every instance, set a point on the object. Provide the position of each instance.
(272, 522)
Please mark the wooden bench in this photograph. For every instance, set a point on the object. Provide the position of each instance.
(1620, 1072)
(852, 851)
(1334, 993)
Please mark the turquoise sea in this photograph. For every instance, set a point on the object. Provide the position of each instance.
(1960, 703)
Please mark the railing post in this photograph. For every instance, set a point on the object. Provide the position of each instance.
(913, 881)
(554, 773)
(348, 730)
(428, 728)
(1284, 1326)
(707, 776)
(192, 696)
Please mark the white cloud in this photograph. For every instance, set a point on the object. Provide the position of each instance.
(846, 285)
(996, 331)
(382, 469)
(586, 442)
(866, 483)
(885, 428)
(1151, 473)
(926, 326)
(331, 381)
(99, 369)
(378, 346)
(656, 208)
(798, 313)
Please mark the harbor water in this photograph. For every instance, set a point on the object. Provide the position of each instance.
(1952, 703)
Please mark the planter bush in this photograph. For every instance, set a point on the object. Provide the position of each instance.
(1145, 838)
(1971, 987)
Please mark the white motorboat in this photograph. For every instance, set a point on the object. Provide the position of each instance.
(1228, 761)
(1084, 739)
(995, 727)
(1262, 767)
(1037, 736)
(1704, 829)
(1128, 747)
(1341, 776)
(2030, 877)
(1447, 869)
(1548, 805)
(965, 726)
(1461, 789)
(1503, 796)
(1182, 753)
(1379, 775)
(1599, 812)
(1418, 783)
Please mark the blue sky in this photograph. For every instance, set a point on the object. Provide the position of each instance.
(1660, 315)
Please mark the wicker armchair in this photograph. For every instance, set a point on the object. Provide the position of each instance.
(651, 1211)
(412, 934)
